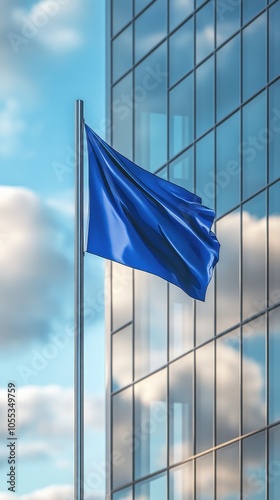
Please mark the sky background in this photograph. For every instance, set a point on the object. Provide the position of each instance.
(52, 52)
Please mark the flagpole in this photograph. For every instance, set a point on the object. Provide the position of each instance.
(79, 307)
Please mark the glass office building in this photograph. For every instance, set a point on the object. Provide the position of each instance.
(193, 388)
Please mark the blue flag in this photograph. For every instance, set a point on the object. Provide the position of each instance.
(145, 222)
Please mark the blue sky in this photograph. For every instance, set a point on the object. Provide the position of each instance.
(52, 52)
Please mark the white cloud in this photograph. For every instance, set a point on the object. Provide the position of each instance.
(46, 413)
(34, 270)
(52, 23)
(55, 492)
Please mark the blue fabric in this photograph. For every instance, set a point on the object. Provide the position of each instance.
(148, 223)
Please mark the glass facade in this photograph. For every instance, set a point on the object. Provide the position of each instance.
(193, 388)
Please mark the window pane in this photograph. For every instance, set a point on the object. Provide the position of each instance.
(228, 78)
(152, 489)
(205, 477)
(205, 31)
(254, 57)
(274, 40)
(181, 170)
(181, 50)
(228, 19)
(274, 131)
(228, 164)
(254, 145)
(274, 231)
(251, 8)
(140, 5)
(273, 464)
(228, 386)
(150, 323)
(274, 366)
(228, 475)
(205, 315)
(181, 409)
(122, 14)
(204, 397)
(150, 425)
(121, 295)
(150, 111)
(122, 437)
(180, 322)
(228, 297)
(122, 365)
(254, 468)
(181, 116)
(179, 10)
(205, 97)
(122, 106)
(254, 256)
(150, 28)
(125, 494)
(181, 482)
(122, 53)
(205, 170)
(254, 370)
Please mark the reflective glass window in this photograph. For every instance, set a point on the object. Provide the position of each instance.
(150, 442)
(180, 322)
(122, 53)
(254, 467)
(179, 10)
(273, 235)
(205, 477)
(121, 295)
(254, 244)
(205, 316)
(181, 116)
(122, 106)
(254, 57)
(274, 130)
(150, 323)
(228, 19)
(251, 8)
(228, 296)
(204, 397)
(274, 366)
(228, 78)
(204, 31)
(274, 40)
(228, 473)
(181, 52)
(181, 409)
(204, 180)
(122, 437)
(273, 464)
(181, 482)
(228, 387)
(152, 489)
(254, 145)
(253, 369)
(150, 28)
(122, 365)
(125, 494)
(199, 3)
(228, 164)
(205, 97)
(181, 170)
(122, 14)
(140, 5)
(151, 110)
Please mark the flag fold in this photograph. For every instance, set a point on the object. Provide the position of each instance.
(145, 222)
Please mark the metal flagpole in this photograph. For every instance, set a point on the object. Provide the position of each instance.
(79, 306)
